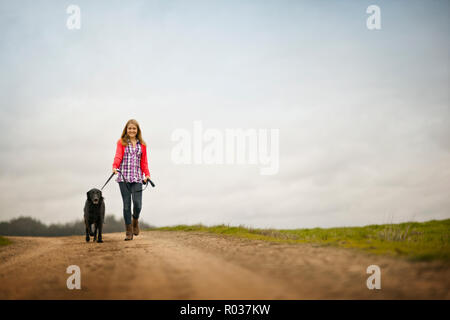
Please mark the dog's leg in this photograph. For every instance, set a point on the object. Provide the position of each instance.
(95, 232)
(100, 229)
(101, 221)
(87, 231)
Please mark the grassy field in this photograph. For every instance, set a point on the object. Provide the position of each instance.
(4, 241)
(422, 241)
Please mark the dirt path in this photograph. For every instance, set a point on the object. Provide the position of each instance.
(180, 265)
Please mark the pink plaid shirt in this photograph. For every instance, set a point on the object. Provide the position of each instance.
(131, 163)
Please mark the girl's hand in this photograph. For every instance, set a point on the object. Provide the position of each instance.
(146, 178)
(115, 170)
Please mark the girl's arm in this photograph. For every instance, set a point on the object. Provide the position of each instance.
(119, 155)
(144, 163)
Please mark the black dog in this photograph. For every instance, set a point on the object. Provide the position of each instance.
(94, 213)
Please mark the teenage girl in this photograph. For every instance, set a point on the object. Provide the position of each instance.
(131, 160)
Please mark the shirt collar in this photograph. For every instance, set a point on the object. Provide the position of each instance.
(129, 141)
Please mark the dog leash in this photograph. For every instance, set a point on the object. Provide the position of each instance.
(126, 183)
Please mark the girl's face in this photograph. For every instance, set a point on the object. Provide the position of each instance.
(132, 130)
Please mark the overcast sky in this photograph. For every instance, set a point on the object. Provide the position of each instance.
(363, 115)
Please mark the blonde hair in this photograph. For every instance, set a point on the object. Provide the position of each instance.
(125, 136)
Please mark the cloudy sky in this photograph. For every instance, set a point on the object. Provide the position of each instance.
(363, 115)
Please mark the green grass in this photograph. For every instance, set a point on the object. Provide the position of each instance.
(4, 241)
(423, 241)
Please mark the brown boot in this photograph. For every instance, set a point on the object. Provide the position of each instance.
(129, 232)
(135, 226)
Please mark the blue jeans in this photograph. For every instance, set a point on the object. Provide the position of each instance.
(126, 197)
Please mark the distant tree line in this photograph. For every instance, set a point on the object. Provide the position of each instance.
(28, 226)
